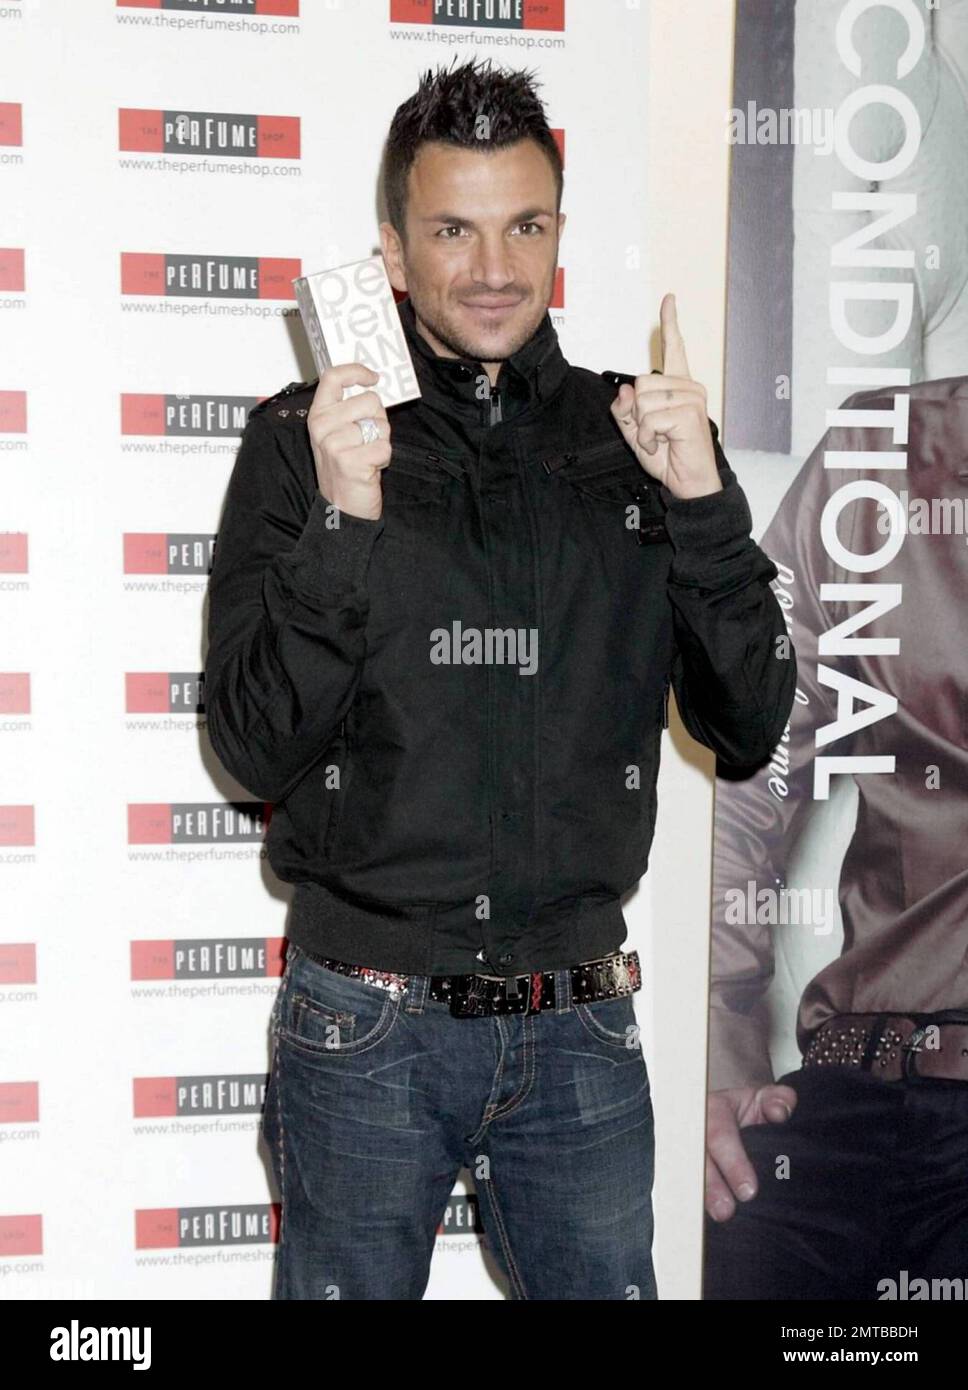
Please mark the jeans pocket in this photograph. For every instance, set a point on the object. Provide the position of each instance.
(328, 1014)
(344, 1062)
(319, 1025)
(611, 1021)
(610, 1076)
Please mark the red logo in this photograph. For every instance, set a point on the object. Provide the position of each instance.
(12, 269)
(11, 123)
(17, 825)
(14, 692)
(13, 412)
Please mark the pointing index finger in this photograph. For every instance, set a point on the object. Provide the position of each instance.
(673, 347)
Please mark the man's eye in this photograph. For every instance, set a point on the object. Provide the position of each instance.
(455, 227)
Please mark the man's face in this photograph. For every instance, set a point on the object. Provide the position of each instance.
(482, 247)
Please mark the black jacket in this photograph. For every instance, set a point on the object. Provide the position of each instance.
(455, 815)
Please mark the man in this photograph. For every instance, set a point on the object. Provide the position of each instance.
(445, 658)
(844, 1178)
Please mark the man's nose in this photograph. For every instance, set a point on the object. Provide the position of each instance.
(492, 265)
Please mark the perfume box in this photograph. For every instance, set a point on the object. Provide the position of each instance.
(350, 315)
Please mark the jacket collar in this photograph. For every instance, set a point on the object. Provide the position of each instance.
(531, 375)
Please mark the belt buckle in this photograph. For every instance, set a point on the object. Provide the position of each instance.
(910, 1049)
(467, 997)
(471, 998)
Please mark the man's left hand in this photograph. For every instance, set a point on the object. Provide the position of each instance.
(663, 418)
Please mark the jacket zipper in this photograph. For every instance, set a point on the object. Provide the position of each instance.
(474, 479)
(567, 459)
(437, 462)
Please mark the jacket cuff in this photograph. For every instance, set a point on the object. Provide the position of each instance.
(709, 530)
(328, 556)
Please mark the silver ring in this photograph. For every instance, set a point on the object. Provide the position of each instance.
(369, 430)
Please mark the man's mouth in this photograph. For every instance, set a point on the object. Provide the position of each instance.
(491, 308)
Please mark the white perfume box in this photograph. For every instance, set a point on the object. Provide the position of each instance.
(350, 315)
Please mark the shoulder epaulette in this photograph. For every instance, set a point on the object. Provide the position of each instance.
(279, 403)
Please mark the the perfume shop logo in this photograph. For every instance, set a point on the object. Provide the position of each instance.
(242, 136)
(201, 276)
(13, 412)
(161, 692)
(12, 270)
(481, 14)
(175, 416)
(149, 552)
(231, 9)
(461, 1216)
(175, 1097)
(208, 958)
(19, 1102)
(21, 1233)
(197, 822)
(16, 826)
(182, 1227)
(11, 123)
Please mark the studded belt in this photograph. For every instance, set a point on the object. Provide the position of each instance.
(476, 996)
(895, 1047)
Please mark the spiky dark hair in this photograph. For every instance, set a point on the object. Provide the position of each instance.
(448, 106)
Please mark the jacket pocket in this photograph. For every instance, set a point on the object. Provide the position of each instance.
(413, 477)
(422, 494)
(609, 474)
(609, 471)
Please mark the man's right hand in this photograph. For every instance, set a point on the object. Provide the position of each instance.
(729, 1173)
(347, 470)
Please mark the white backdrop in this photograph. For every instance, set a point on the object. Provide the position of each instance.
(130, 890)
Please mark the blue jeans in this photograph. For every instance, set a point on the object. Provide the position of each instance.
(375, 1103)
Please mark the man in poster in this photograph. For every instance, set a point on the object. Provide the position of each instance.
(845, 1178)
